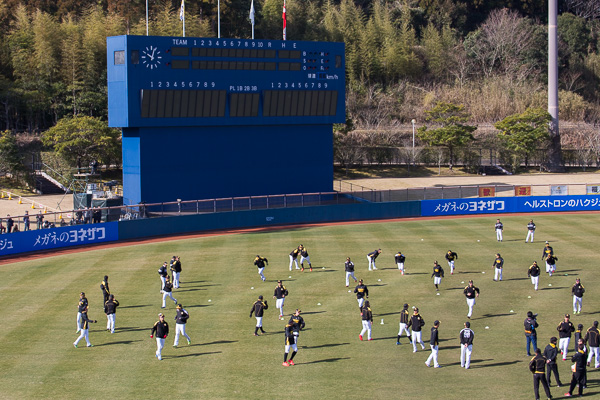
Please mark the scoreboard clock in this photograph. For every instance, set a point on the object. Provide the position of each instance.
(208, 81)
(212, 118)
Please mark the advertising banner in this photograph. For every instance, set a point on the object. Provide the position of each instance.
(509, 205)
(487, 191)
(559, 190)
(522, 190)
(52, 238)
(593, 189)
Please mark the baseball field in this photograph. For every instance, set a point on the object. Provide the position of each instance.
(219, 284)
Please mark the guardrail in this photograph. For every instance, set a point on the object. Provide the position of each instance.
(359, 195)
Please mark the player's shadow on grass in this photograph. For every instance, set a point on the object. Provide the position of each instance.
(199, 305)
(566, 270)
(415, 273)
(130, 329)
(379, 284)
(194, 354)
(386, 338)
(495, 315)
(119, 342)
(313, 312)
(554, 288)
(498, 364)
(383, 315)
(189, 290)
(215, 342)
(186, 282)
(449, 347)
(324, 345)
(136, 306)
(327, 360)
(516, 279)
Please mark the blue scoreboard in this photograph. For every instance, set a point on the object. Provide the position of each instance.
(211, 118)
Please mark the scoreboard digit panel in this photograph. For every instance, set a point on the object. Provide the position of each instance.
(167, 81)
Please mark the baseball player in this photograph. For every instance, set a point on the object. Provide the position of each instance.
(498, 264)
(416, 323)
(371, 257)
(404, 317)
(349, 268)
(434, 344)
(181, 319)
(304, 257)
(498, 227)
(471, 292)
(260, 263)
(294, 257)
(110, 308)
(258, 309)
(105, 289)
(161, 330)
(84, 328)
(162, 274)
(175, 266)
(400, 258)
(466, 345)
(537, 366)
(530, 231)
(577, 290)
(290, 342)
(547, 252)
(437, 275)
(83, 304)
(592, 338)
(451, 257)
(279, 294)
(367, 320)
(168, 292)
(565, 328)
(534, 273)
(362, 292)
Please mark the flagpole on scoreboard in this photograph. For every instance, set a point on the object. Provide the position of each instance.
(284, 22)
(219, 19)
(146, 18)
(252, 17)
(182, 15)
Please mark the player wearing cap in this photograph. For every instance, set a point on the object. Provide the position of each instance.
(437, 275)
(181, 319)
(400, 258)
(110, 308)
(175, 266)
(451, 256)
(304, 257)
(362, 292)
(83, 304)
(530, 231)
(536, 366)
(161, 331)
(168, 292)
(349, 268)
(434, 342)
(84, 328)
(577, 290)
(547, 252)
(371, 257)
(592, 338)
(105, 289)
(290, 342)
(162, 274)
(565, 328)
(498, 227)
(404, 317)
(530, 325)
(534, 273)
(466, 345)
(294, 257)
(551, 352)
(258, 308)
(498, 264)
(416, 323)
(367, 320)
(551, 264)
(279, 294)
(471, 292)
(260, 263)
(580, 372)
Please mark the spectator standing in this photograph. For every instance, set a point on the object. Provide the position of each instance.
(9, 224)
(530, 325)
(26, 221)
(39, 219)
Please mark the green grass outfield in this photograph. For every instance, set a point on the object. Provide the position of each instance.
(39, 300)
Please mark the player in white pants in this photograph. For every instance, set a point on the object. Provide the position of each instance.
(168, 292)
(84, 328)
(498, 264)
(471, 292)
(349, 268)
(294, 257)
(367, 321)
(530, 231)
(404, 317)
(499, 227)
(577, 290)
(180, 323)
(110, 308)
(371, 257)
(565, 329)
(434, 344)
(400, 258)
(83, 304)
(466, 345)
(416, 323)
(260, 263)
(161, 330)
(534, 273)
(592, 338)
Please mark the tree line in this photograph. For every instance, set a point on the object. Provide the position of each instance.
(402, 57)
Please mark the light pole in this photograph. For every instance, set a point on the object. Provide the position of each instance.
(414, 121)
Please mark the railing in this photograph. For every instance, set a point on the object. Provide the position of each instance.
(359, 195)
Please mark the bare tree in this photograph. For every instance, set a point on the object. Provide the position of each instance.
(588, 9)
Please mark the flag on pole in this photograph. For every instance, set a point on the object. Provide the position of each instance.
(182, 11)
(252, 12)
(284, 22)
